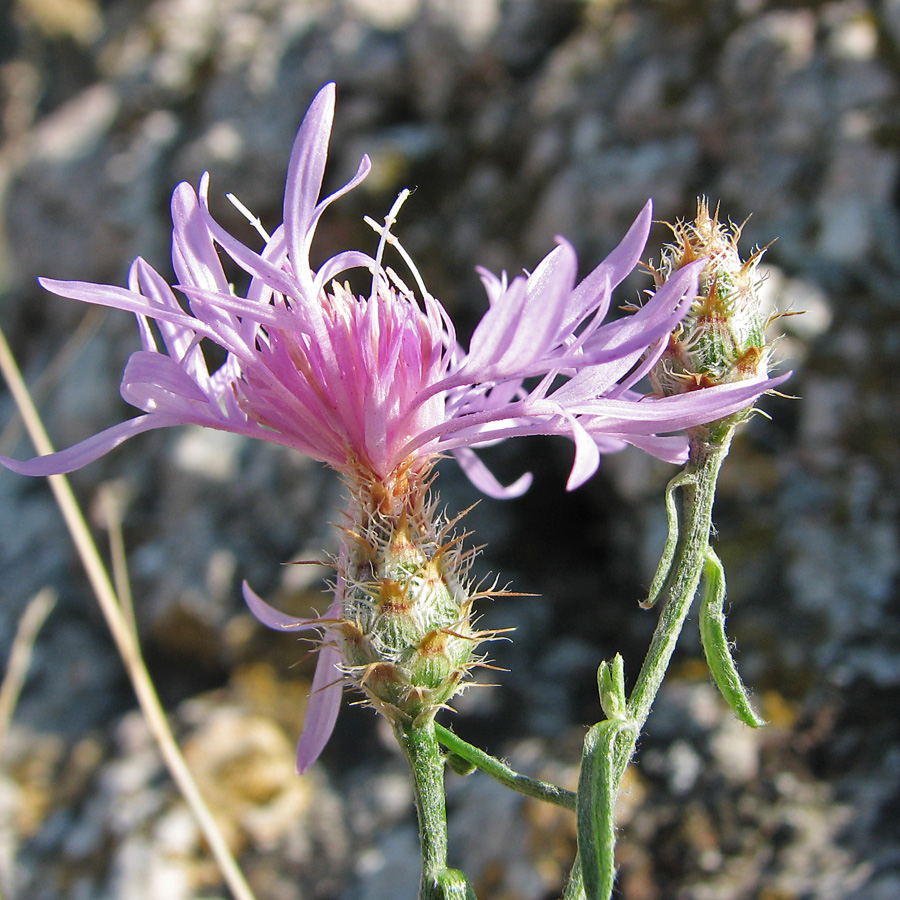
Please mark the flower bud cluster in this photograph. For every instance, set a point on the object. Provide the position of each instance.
(722, 338)
(406, 632)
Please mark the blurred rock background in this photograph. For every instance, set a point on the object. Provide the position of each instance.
(514, 121)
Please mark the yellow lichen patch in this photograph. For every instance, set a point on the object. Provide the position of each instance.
(35, 774)
(258, 687)
(244, 765)
(780, 712)
(77, 19)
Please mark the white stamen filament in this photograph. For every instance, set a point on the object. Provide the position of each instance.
(255, 221)
(385, 237)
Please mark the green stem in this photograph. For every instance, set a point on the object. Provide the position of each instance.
(699, 497)
(531, 787)
(426, 763)
(617, 737)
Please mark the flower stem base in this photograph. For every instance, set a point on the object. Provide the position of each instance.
(426, 763)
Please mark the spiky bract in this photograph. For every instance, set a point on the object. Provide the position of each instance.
(406, 632)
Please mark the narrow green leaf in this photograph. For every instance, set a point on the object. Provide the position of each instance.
(499, 771)
(595, 810)
(458, 764)
(574, 889)
(664, 569)
(715, 642)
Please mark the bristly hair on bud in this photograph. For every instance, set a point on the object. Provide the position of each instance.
(407, 635)
(722, 339)
(401, 629)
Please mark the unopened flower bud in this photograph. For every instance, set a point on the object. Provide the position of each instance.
(406, 634)
(611, 683)
(722, 338)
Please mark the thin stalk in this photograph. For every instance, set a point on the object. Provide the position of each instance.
(36, 612)
(112, 519)
(124, 637)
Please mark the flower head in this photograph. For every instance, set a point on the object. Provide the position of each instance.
(378, 387)
(375, 385)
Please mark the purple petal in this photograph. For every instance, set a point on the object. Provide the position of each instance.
(655, 319)
(493, 286)
(650, 359)
(349, 259)
(587, 455)
(328, 681)
(669, 448)
(322, 709)
(494, 333)
(248, 310)
(673, 413)
(549, 287)
(274, 618)
(522, 325)
(479, 474)
(122, 298)
(65, 461)
(616, 267)
(306, 170)
(365, 166)
(194, 254)
(181, 341)
(249, 261)
(154, 382)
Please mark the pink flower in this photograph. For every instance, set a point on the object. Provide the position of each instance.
(377, 386)
(380, 382)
